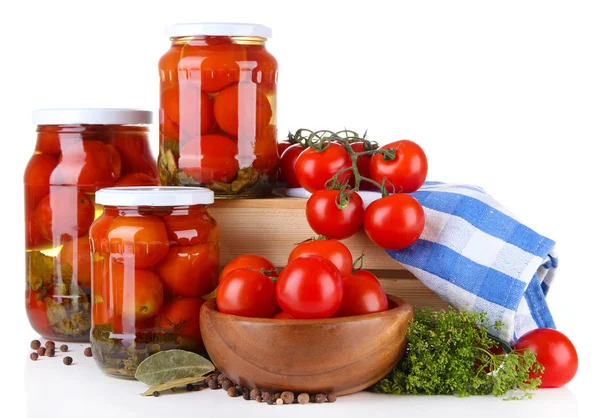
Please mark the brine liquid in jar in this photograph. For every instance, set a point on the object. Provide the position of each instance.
(218, 96)
(77, 152)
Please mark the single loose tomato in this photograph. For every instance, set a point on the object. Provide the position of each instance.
(250, 261)
(394, 222)
(189, 108)
(191, 228)
(141, 292)
(326, 218)
(181, 316)
(242, 110)
(139, 239)
(76, 254)
(137, 179)
(362, 295)
(310, 288)
(283, 315)
(37, 177)
(136, 155)
(406, 172)
(246, 292)
(314, 168)
(37, 311)
(265, 149)
(189, 270)
(555, 352)
(210, 158)
(287, 165)
(332, 250)
(64, 214)
(89, 164)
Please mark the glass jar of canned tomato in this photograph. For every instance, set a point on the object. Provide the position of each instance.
(77, 152)
(155, 254)
(218, 90)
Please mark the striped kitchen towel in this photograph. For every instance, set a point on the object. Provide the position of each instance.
(477, 255)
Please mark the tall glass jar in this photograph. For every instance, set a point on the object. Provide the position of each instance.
(155, 254)
(218, 90)
(78, 151)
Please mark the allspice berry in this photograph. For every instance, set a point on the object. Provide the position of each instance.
(50, 352)
(320, 398)
(212, 384)
(68, 361)
(246, 395)
(279, 401)
(156, 394)
(41, 351)
(254, 394)
(87, 352)
(221, 378)
(232, 392)
(288, 397)
(303, 398)
(35, 344)
(50, 344)
(227, 384)
(189, 387)
(64, 348)
(33, 356)
(331, 398)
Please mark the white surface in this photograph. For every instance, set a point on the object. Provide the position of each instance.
(92, 116)
(155, 196)
(217, 29)
(504, 95)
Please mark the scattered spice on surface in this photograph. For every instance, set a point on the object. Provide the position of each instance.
(287, 397)
(331, 398)
(33, 356)
(279, 401)
(303, 398)
(50, 344)
(212, 384)
(189, 387)
(41, 351)
(254, 394)
(156, 394)
(64, 348)
(35, 344)
(232, 392)
(320, 398)
(87, 352)
(68, 361)
(227, 384)
(50, 352)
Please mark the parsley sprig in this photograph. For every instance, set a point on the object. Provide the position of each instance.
(450, 353)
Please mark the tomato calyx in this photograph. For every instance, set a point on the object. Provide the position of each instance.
(358, 263)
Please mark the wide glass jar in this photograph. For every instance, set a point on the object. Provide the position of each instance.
(155, 254)
(218, 90)
(78, 151)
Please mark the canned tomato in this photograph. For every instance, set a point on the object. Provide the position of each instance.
(155, 254)
(218, 89)
(78, 151)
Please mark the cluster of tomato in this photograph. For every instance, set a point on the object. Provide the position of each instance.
(70, 164)
(216, 102)
(393, 222)
(318, 282)
(151, 269)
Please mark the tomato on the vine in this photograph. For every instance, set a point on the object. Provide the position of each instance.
(330, 249)
(327, 219)
(363, 295)
(282, 146)
(310, 288)
(406, 172)
(287, 164)
(246, 292)
(314, 168)
(249, 261)
(394, 222)
(363, 164)
(555, 352)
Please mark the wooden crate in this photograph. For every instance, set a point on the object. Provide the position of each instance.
(271, 227)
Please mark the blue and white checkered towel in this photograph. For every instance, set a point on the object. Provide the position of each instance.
(477, 255)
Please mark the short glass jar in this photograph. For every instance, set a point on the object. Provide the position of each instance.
(218, 90)
(78, 151)
(155, 254)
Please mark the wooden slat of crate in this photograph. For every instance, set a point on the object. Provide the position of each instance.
(271, 228)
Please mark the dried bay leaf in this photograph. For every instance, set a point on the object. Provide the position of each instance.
(172, 384)
(169, 365)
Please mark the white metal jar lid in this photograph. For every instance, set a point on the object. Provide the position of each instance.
(159, 196)
(92, 116)
(218, 29)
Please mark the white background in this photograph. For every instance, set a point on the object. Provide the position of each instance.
(505, 95)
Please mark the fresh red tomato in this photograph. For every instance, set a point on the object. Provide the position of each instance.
(326, 218)
(37, 311)
(142, 239)
(190, 109)
(555, 352)
(210, 158)
(282, 146)
(250, 261)
(37, 177)
(181, 316)
(315, 168)
(246, 292)
(242, 111)
(310, 288)
(283, 315)
(76, 254)
(137, 179)
(406, 172)
(394, 222)
(332, 250)
(64, 214)
(363, 164)
(362, 295)
(190, 270)
(265, 149)
(287, 164)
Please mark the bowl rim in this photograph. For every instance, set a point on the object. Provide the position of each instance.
(401, 305)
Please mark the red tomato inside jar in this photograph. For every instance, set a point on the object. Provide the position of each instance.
(218, 89)
(78, 151)
(154, 255)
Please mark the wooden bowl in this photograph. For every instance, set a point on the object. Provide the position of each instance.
(334, 355)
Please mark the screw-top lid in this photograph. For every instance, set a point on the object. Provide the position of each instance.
(155, 196)
(91, 116)
(218, 29)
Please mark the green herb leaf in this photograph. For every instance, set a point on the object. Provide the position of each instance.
(172, 384)
(169, 365)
